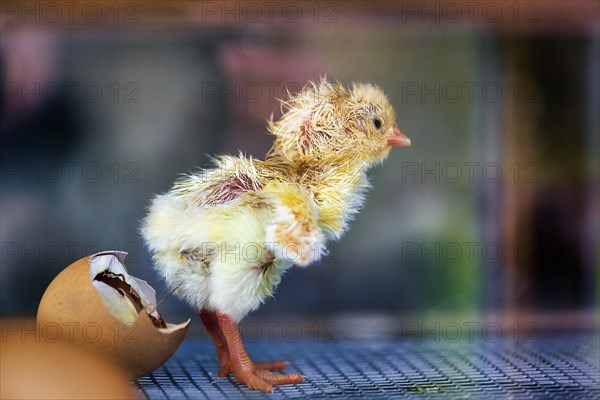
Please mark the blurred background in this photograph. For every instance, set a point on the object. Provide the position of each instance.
(491, 215)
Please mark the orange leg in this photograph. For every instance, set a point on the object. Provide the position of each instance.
(243, 368)
(209, 319)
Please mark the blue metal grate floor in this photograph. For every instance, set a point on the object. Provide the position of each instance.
(546, 366)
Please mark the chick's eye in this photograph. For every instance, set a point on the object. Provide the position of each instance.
(377, 123)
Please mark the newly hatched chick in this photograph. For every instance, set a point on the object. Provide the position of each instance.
(222, 238)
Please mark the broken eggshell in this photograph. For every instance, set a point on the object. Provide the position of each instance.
(95, 303)
(34, 369)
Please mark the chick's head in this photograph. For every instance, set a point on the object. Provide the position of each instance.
(327, 123)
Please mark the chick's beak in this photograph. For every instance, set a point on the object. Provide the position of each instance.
(395, 137)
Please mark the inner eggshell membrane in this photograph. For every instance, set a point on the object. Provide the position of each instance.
(123, 295)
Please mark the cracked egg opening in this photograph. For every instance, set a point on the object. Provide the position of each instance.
(95, 303)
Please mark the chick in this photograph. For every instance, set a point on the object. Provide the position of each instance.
(223, 237)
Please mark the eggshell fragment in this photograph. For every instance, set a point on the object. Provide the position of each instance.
(90, 301)
(34, 369)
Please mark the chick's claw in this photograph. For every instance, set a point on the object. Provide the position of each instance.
(253, 382)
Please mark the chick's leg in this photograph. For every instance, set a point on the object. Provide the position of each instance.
(242, 367)
(209, 319)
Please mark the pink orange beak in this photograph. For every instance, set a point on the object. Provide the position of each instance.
(395, 137)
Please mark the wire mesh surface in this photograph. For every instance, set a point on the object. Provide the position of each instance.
(545, 366)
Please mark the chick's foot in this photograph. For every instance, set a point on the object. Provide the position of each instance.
(255, 376)
(211, 323)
